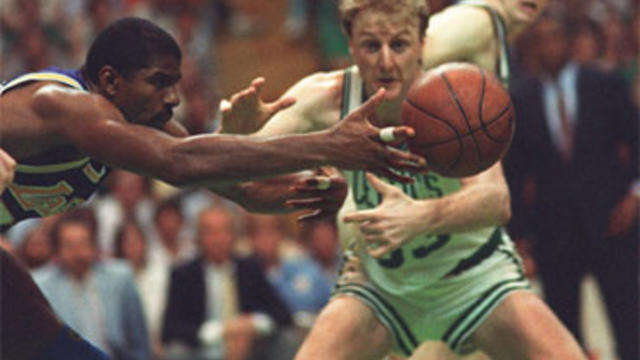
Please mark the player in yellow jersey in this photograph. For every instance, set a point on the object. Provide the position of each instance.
(66, 128)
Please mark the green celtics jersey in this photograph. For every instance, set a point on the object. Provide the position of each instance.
(427, 258)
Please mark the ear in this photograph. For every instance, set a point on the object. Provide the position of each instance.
(109, 80)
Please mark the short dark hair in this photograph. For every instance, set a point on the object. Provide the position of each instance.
(83, 216)
(128, 45)
(118, 244)
(169, 204)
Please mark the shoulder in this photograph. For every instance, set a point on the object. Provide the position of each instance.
(187, 267)
(319, 89)
(115, 269)
(247, 262)
(45, 274)
(462, 26)
(317, 105)
(56, 101)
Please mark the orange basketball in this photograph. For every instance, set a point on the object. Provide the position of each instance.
(463, 118)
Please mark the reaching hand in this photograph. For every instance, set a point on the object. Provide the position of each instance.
(324, 193)
(390, 225)
(7, 169)
(360, 145)
(246, 113)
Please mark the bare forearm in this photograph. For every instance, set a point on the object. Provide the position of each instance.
(469, 209)
(230, 159)
(265, 196)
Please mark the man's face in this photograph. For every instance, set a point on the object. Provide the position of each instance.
(216, 235)
(551, 45)
(524, 11)
(149, 95)
(76, 250)
(387, 50)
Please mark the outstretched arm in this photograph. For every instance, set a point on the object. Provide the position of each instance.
(98, 129)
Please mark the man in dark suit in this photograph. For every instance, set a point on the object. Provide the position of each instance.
(571, 169)
(219, 304)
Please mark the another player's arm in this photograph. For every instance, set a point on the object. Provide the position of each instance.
(460, 33)
(98, 129)
(270, 195)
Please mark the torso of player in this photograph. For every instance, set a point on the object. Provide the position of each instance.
(51, 177)
(424, 259)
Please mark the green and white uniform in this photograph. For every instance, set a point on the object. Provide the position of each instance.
(434, 287)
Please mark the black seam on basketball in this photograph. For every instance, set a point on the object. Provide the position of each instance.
(458, 135)
(430, 145)
(418, 107)
(453, 94)
(488, 134)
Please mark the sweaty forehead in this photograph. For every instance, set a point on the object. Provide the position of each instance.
(382, 23)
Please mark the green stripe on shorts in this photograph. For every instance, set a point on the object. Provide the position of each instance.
(386, 313)
(467, 323)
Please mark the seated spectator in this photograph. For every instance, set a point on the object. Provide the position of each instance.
(98, 299)
(35, 248)
(170, 244)
(129, 199)
(297, 277)
(220, 305)
(321, 238)
(152, 279)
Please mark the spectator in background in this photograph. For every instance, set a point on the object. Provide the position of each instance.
(171, 245)
(298, 279)
(129, 198)
(617, 47)
(570, 167)
(35, 249)
(219, 304)
(588, 42)
(321, 238)
(96, 298)
(151, 279)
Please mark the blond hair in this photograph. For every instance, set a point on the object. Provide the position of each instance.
(349, 9)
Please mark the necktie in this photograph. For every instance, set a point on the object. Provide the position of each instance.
(566, 128)
(229, 298)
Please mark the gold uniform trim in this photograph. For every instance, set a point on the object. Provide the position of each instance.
(43, 76)
(42, 169)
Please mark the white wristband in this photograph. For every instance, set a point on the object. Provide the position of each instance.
(386, 134)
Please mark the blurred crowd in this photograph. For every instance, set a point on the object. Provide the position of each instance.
(272, 276)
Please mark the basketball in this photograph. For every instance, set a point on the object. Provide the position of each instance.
(463, 118)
